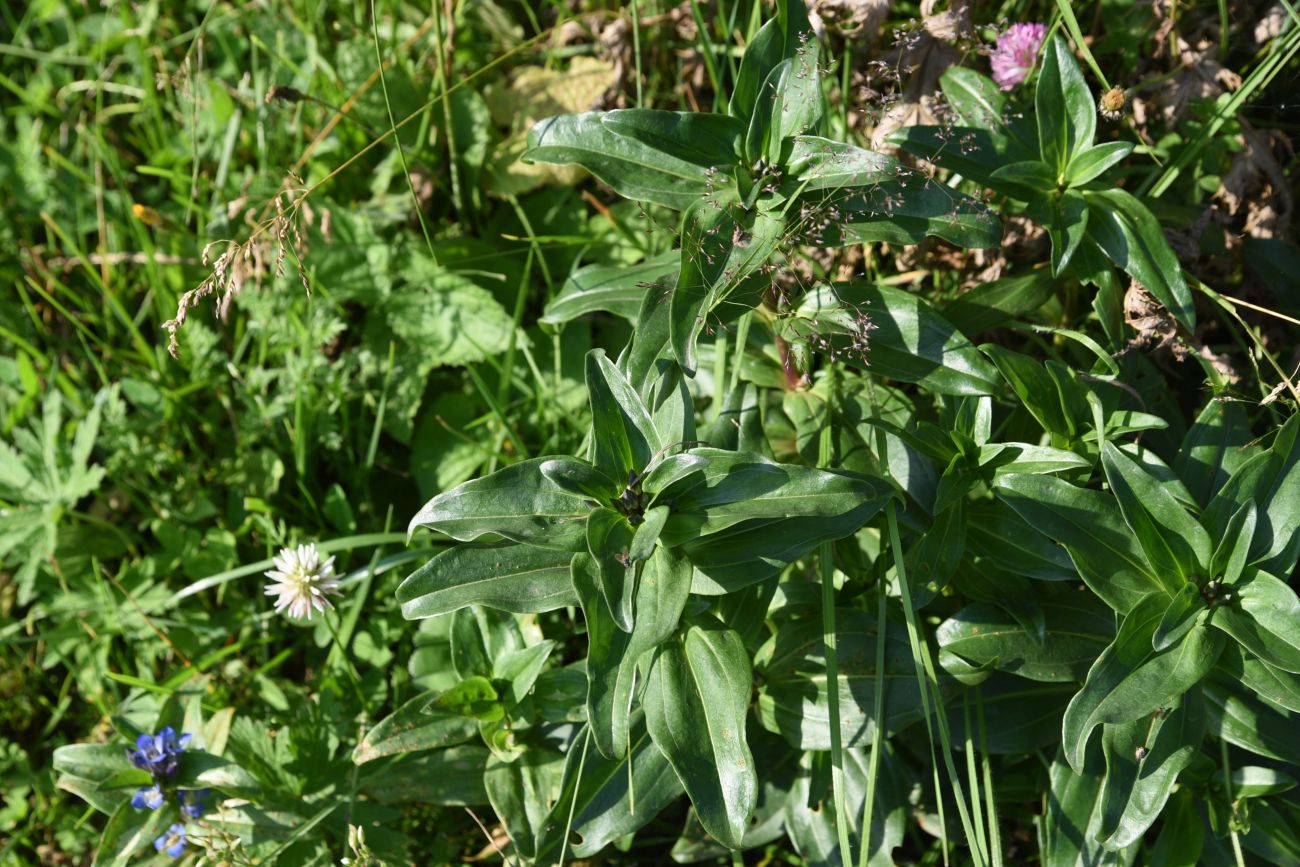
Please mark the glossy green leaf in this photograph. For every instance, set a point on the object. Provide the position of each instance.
(810, 817)
(129, 836)
(612, 654)
(1267, 681)
(1175, 545)
(975, 98)
(780, 38)
(450, 777)
(905, 210)
(908, 341)
(511, 577)
(1229, 560)
(793, 699)
(625, 438)
(1213, 448)
(1063, 106)
(1241, 718)
(997, 534)
(1090, 526)
(1179, 618)
(1131, 236)
(1020, 716)
(648, 533)
(1263, 615)
(1090, 164)
(1075, 634)
(617, 289)
(817, 163)
(1004, 458)
(696, 699)
(522, 792)
(989, 305)
(1034, 176)
(1072, 817)
(416, 725)
(601, 799)
(581, 479)
(609, 541)
(668, 157)
(1035, 387)
(1182, 833)
(722, 249)
(789, 104)
(1130, 680)
(980, 154)
(1067, 227)
(1272, 480)
(1143, 760)
(518, 502)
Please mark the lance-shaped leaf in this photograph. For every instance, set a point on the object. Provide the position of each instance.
(789, 103)
(781, 38)
(521, 793)
(894, 334)
(723, 248)
(1089, 525)
(1019, 716)
(1130, 680)
(1090, 164)
(905, 210)
(732, 487)
(617, 289)
(810, 817)
(1241, 718)
(1213, 449)
(992, 304)
(1174, 543)
(793, 700)
(414, 726)
(817, 163)
(127, 836)
(1263, 615)
(1280, 687)
(599, 794)
(1229, 560)
(609, 541)
(1067, 225)
(612, 654)
(998, 534)
(1063, 107)
(667, 157)
(1143, 760)
(518, 578)
(1131, 236)
(624, 435)
(975, 98)
(1184, 610)
(519, 502)
(696, 701)
(1075, 632)
(451, 777)
(971, 152)
(1272, 480)
(1073, 815)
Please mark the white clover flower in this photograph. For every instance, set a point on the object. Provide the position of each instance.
(302, 581)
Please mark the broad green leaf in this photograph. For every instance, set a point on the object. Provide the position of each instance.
(617, 289)
(1004, 458)
(129, 836)
(1033, 176)
(823, 164)
(696, 699)
(789, 104)
(1130, 680)
(1067, 227)
(668, 157)
(200, 770)
(1090, 526)
(905, 210)
(974, 97)
(601, 797)
(521, 668)
(612, 654)
(1143, 760)
(521, 793)
(451, 777)
(973, 153)
(1020, 716)
(1036, 388)
(511, 577)
(1002, 300)
(1131, 236)
(793, 699)
(1263, 615)
(1182, 614)
(624, 436)
(1182, 833)
(1229, 560)
(99, 763)
(518, 502)
(1175, 545)
(481, 636)
(810, 817)
(733, 487)
(752, 551)
(1063, 107)
(1090, 164)
(648, 533)
(904, 338)
(1072, 817)
(1075, 634)
(1214, 448)
(998, 534)
(1253, 781)
(415, 726)
(723, 248)
(609, 541)
(1241, 718)
(779, 39)
(579, 478)
(475, 697)
(1273, 482)
(1268, 682)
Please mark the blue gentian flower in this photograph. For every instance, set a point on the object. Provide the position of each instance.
(172, 842)
(150, 797)
(159, 754)
(192, 802)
